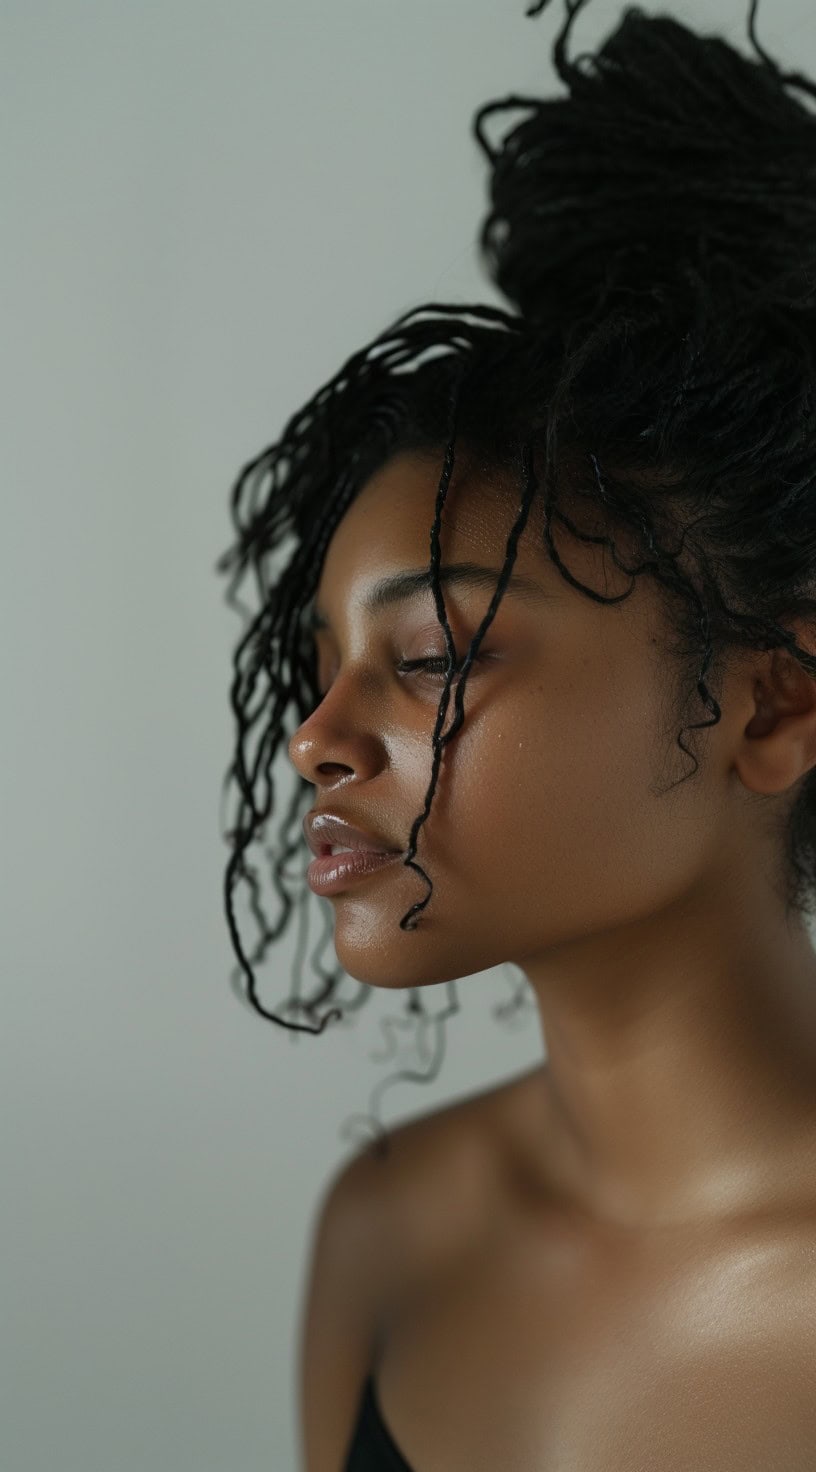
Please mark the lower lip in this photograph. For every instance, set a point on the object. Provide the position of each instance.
(332, 872)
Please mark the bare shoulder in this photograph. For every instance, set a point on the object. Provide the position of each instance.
(442, 1168)
(385, 1224)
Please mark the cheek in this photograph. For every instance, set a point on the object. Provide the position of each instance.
(552, 802)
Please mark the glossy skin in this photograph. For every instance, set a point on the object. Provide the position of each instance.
(678, 1005)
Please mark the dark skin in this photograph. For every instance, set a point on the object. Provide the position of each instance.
(677, 1106)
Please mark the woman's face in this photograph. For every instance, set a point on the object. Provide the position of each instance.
(546, 826)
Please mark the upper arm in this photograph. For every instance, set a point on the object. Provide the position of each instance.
(343, 1296)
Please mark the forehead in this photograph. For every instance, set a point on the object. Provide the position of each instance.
(386, 529)
(391, 518)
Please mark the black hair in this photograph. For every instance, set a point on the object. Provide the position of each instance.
(655, 232)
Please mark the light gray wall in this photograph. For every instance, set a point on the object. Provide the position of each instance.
(207, 207)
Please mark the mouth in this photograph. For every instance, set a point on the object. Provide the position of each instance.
(334, 849)
(330, 873)
(330, 833)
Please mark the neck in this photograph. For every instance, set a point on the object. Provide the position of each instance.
(680, 1083)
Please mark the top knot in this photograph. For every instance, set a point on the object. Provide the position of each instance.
(674, 161)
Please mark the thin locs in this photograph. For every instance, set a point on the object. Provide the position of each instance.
(439, 742)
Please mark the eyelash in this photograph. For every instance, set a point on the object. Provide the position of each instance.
(406, 666)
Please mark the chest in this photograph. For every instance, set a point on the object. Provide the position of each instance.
(539, 1348)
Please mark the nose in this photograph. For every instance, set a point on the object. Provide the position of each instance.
(325, 750)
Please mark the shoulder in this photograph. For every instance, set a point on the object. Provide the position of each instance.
(429, 1194)
(387, 1226)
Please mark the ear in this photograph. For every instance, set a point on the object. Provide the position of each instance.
(778, 745)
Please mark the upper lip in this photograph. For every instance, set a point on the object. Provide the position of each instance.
(324, 831)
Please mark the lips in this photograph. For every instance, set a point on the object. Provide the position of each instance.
(325, 831)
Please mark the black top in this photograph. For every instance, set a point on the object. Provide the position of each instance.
(373, 1448)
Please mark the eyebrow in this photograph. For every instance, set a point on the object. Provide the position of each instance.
(404, 585)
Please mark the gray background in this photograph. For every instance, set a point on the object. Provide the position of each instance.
(207, 207)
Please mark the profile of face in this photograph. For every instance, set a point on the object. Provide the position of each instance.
(549, 826)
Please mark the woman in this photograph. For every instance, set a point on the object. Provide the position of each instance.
(607, 1263)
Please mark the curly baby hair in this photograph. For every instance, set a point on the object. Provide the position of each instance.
(655, 233)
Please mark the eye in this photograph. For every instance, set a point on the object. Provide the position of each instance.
(434, 668)
(437, 665)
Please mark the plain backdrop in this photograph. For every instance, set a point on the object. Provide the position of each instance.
(206, 208)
